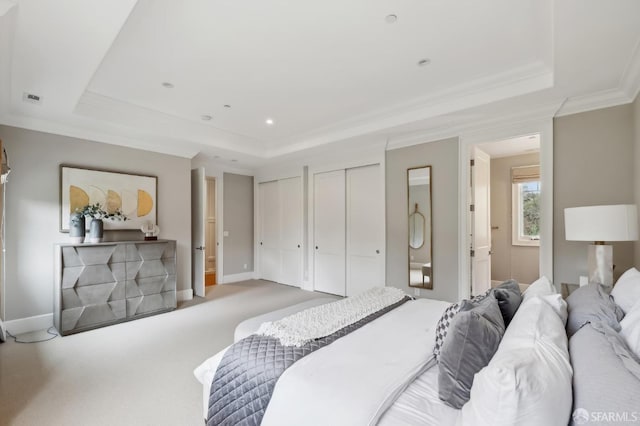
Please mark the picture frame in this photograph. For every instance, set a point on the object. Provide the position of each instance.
(135, 195)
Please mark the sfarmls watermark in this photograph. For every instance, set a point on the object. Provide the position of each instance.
(583, 417)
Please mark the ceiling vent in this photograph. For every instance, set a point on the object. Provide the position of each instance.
(31, 98)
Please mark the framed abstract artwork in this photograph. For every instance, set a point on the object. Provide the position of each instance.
(133, 195)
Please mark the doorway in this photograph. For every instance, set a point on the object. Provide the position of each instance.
(210, 233)
(505, 212)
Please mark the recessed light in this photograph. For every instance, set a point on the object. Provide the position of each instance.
(269, 122)
(390, 19)
(424, 62)
(206, 117)
(167, 85)
(227, 106)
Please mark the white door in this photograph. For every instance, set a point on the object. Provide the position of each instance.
(329, 232)
(198, 228)
(365, 229)
(291, 231)
(269, 245)
(481, 222)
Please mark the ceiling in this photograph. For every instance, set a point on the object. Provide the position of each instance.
(526, 144)
(324, 72)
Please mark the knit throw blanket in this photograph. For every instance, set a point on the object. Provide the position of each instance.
(324, 320)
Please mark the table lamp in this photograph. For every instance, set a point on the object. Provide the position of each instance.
(600, 224)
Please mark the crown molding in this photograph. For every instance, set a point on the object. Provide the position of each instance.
(630, 82)
(100, 107)
(593, 101)
(483, 91)
(468, 128)
(57, 128)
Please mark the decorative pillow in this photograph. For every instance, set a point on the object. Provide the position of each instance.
(591, 303)
(541, 287)
(473, 338)
(445, 322)
(528, 380)
(509, 299)
(626, 292)
(630, 329)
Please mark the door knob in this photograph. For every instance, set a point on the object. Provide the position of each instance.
(298, 245)
(200, 248)
(316, 247)
(377, 251)
(260, 242)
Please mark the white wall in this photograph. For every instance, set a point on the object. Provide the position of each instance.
(33, 209)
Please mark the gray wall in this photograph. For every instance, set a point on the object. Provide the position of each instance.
(238, 221)
(32, 202)
(593, 164)
(443, 157)
(522, 263)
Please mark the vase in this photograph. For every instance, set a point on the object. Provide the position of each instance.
(77, 228)
(96, 231)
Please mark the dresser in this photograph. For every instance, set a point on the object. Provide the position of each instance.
(107, 283)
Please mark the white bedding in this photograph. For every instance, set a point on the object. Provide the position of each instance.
(356, 378)
(420, 405)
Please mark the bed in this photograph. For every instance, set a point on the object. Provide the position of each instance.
(385, 373)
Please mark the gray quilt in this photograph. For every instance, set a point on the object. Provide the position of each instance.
(249, 370)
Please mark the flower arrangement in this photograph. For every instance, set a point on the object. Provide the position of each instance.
(95, 211)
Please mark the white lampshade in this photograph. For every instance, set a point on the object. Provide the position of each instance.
(601, 223)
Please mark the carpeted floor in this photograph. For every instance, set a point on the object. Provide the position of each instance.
(135, 373)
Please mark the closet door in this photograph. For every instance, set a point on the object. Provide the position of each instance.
(365, 229)
(269, 247)
(291, 231)
(329, 232)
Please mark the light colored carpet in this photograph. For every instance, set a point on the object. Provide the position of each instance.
(135, 373)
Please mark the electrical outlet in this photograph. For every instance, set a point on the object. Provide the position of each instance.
(416, 292)
(225, 233)
(244, 266)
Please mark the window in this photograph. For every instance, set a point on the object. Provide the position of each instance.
(526, 206)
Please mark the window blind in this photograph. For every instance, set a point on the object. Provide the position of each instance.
(525, 173)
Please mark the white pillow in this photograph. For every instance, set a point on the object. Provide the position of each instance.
(541, 287)
(528, 381)
(626, 292)
(630, 329)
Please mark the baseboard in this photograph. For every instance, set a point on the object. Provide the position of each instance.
(182, 295)
(27, 325)
(234, 278)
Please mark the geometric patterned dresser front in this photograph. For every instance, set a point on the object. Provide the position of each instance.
(107, 283)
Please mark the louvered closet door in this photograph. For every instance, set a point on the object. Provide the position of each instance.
(329, 232)
(269, 245)
(291, 231)
(365, 229)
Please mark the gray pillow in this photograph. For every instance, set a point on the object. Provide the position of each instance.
(472, 340)
(591, 303)
(606, 374)
(445, 321)
(509, 299)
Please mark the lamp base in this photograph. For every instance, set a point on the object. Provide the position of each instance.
(600, 264)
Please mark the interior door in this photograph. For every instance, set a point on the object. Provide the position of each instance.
(269, 245)
(329, 232)
(365, 229)
(481, 222)
(291, 231)
(198, 229)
